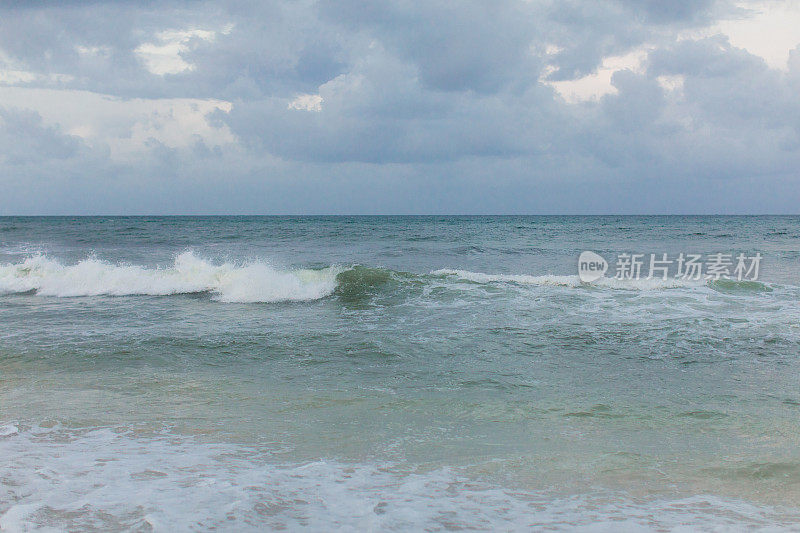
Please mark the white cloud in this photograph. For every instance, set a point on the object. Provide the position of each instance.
(766, 28)
(93, 51)
(672, 83)
(16, 77)
(552, 49)
(165, 56)
(769, 29)
(598, 84)
(306, 102)
(13, 73)
(126, 127)
(11, 77)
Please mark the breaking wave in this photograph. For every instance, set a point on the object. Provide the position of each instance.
(258, 281)
(567, 281)
(252, 282)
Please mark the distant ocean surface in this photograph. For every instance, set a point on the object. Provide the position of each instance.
(371, 373)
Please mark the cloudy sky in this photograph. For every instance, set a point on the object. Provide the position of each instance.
(435, 106)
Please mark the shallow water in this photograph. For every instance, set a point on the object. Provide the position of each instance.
(394, 372)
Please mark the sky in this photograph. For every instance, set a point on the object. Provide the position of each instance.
(399, 107)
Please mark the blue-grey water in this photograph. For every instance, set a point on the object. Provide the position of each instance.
(340, 373)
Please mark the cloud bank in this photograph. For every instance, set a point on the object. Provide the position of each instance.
(352, 106)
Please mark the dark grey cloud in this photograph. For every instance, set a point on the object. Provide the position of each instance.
(728, 87)
(24, 139)
(280, 47)
(476, 46)
(425, 106)
(659, 11)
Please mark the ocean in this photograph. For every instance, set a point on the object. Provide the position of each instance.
(396, 373)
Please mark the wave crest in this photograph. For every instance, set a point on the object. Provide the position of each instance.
(253, 282)
(258, 281)
(566, 281)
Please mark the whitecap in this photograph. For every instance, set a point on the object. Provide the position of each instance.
(251, 282)
(568, 281)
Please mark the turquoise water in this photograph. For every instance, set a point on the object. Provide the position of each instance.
(394, 373)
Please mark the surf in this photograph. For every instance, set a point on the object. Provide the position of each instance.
(255, 281)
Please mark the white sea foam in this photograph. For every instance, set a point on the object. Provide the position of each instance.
(105, 480)
(567, 281)
(8, 429)
(252, 282)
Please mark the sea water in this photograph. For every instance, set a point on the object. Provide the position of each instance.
(340, 373)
